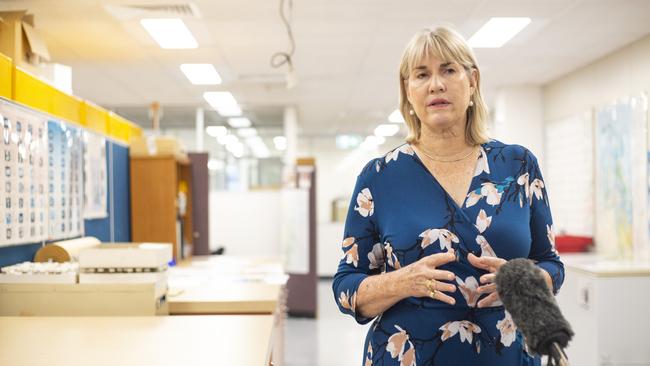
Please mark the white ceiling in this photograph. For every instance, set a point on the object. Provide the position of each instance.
(346, 57)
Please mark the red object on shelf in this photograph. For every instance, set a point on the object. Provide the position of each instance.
(572, 243)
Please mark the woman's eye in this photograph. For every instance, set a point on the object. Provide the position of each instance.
(421, 75)
(450, 71)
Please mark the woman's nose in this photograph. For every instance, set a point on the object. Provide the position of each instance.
(436, 85)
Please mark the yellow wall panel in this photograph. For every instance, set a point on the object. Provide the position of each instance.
(136, 131)
(94, 117)
(122, 129)
(5, 76)
(30, 91)
(66, 106)
(118, 128)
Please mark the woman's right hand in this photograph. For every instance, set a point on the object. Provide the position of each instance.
(422, 278)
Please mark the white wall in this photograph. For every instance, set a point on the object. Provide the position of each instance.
(568, 102)
(621, 73)
(518, 118)
(246, 223)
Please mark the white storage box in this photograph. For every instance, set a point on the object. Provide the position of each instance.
(143, 255)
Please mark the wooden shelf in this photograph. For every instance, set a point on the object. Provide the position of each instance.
(155, 182)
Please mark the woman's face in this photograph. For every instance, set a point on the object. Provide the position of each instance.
(439, 92)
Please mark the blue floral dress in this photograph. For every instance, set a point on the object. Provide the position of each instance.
(399, 214)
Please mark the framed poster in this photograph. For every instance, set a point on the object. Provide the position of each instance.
(621, 162)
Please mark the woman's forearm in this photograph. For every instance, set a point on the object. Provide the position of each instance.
(379, 292)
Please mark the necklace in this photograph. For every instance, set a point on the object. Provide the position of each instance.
(448, 160)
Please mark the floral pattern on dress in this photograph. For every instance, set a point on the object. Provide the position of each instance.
(445, 237)
(483, 221)
(491, 191)
(465, 328)
(550, 234)
(397, 342)
(365, 205)
(347, 302)
(482, 165)
(469, 290)
(376, 257)
(486, 248)
(391, 257)
(404, 149)
(352, 255)
(507, 329)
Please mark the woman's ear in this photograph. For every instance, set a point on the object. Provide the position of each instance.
(473, 80)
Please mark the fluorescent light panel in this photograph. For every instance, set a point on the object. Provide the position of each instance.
(497, 31)
(227, 139)
(280, 143)
(201, 74)
(247, 132)
(396, 117)
(224, 103)
(216, 131)
(239, 122)
(386, 130)
(170, 33)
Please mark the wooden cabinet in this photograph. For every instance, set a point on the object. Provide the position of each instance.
(155, 208)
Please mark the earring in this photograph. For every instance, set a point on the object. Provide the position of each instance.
(411, 112)
(471, 103)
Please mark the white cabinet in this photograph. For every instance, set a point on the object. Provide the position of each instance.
(607, 304)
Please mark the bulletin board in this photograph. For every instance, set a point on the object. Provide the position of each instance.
(65, 183)
(43, 179)
(23, 180)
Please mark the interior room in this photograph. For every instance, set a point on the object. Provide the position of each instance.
(331, 183)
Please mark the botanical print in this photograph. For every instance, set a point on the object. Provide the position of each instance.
(365, 205)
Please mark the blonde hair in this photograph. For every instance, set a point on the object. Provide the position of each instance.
(447, 45)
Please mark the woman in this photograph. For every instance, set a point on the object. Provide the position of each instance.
(432, 221)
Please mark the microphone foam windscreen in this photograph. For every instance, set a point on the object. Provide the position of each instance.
(526, 296)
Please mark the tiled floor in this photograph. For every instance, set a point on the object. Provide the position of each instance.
(332, 339)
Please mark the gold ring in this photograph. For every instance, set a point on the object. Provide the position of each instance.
(432, 294)
(431, 286)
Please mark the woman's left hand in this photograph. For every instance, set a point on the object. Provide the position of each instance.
(492, 265)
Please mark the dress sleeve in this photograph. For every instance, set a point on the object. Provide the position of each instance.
(362, 252)
(542, 249)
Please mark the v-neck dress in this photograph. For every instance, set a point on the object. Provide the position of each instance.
(399, 214)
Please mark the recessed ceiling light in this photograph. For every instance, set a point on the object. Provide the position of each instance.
(280, 143)
(224, 103)
(170, 33)
(216, 131)
(371, 142)
(396, 117)
(227, 139)
(201, 74)
(247, 132)
(385, 130)
(497, 31)
(239, 122)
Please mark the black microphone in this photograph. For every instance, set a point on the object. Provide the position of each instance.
(526, 296)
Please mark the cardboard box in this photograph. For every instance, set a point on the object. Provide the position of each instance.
(6, 76)
(156, 146)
